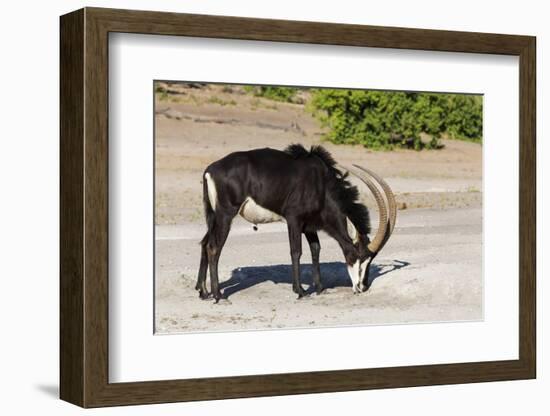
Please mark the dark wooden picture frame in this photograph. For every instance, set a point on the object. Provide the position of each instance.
(84, 207)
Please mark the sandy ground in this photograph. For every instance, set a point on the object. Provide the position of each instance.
(429, 271)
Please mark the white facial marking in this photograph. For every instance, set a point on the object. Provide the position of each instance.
(352, 231)
(256, 214)
(363, 270)
(211, 188)
(355, 275)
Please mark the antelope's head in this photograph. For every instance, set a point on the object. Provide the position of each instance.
(364, 249)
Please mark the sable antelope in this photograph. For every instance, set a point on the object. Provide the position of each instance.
(307, 190)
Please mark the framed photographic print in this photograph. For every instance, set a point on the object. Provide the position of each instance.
(255, 207)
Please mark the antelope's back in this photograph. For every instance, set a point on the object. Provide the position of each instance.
(273, 178)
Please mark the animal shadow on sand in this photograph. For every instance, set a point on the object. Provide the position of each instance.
(333, 275)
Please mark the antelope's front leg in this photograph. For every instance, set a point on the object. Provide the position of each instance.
(315, 247)
(295, 239)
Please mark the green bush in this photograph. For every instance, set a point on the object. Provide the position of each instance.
(384, 120)
(285, 94)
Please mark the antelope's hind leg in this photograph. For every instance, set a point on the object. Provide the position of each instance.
(203, 268)
(214, 247)
(315, 248)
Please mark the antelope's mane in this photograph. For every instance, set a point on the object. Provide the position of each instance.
(339, 187)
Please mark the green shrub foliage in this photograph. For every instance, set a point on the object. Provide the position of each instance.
(285, 94)
(385, 120)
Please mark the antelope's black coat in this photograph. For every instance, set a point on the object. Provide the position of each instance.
(304, 187)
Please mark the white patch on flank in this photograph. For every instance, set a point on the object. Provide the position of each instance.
(256, 214)
(355, 275)
(211, 188)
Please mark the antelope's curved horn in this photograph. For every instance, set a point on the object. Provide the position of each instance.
(376, 244)
(392, 205)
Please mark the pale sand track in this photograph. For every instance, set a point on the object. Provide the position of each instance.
(429, 271)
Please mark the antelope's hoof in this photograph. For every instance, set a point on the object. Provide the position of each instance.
(319, 290)
(301, 294)
(204, 295)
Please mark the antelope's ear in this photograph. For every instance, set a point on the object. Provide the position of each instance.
(352, 231)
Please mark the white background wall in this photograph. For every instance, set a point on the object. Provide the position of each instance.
(29, 158)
